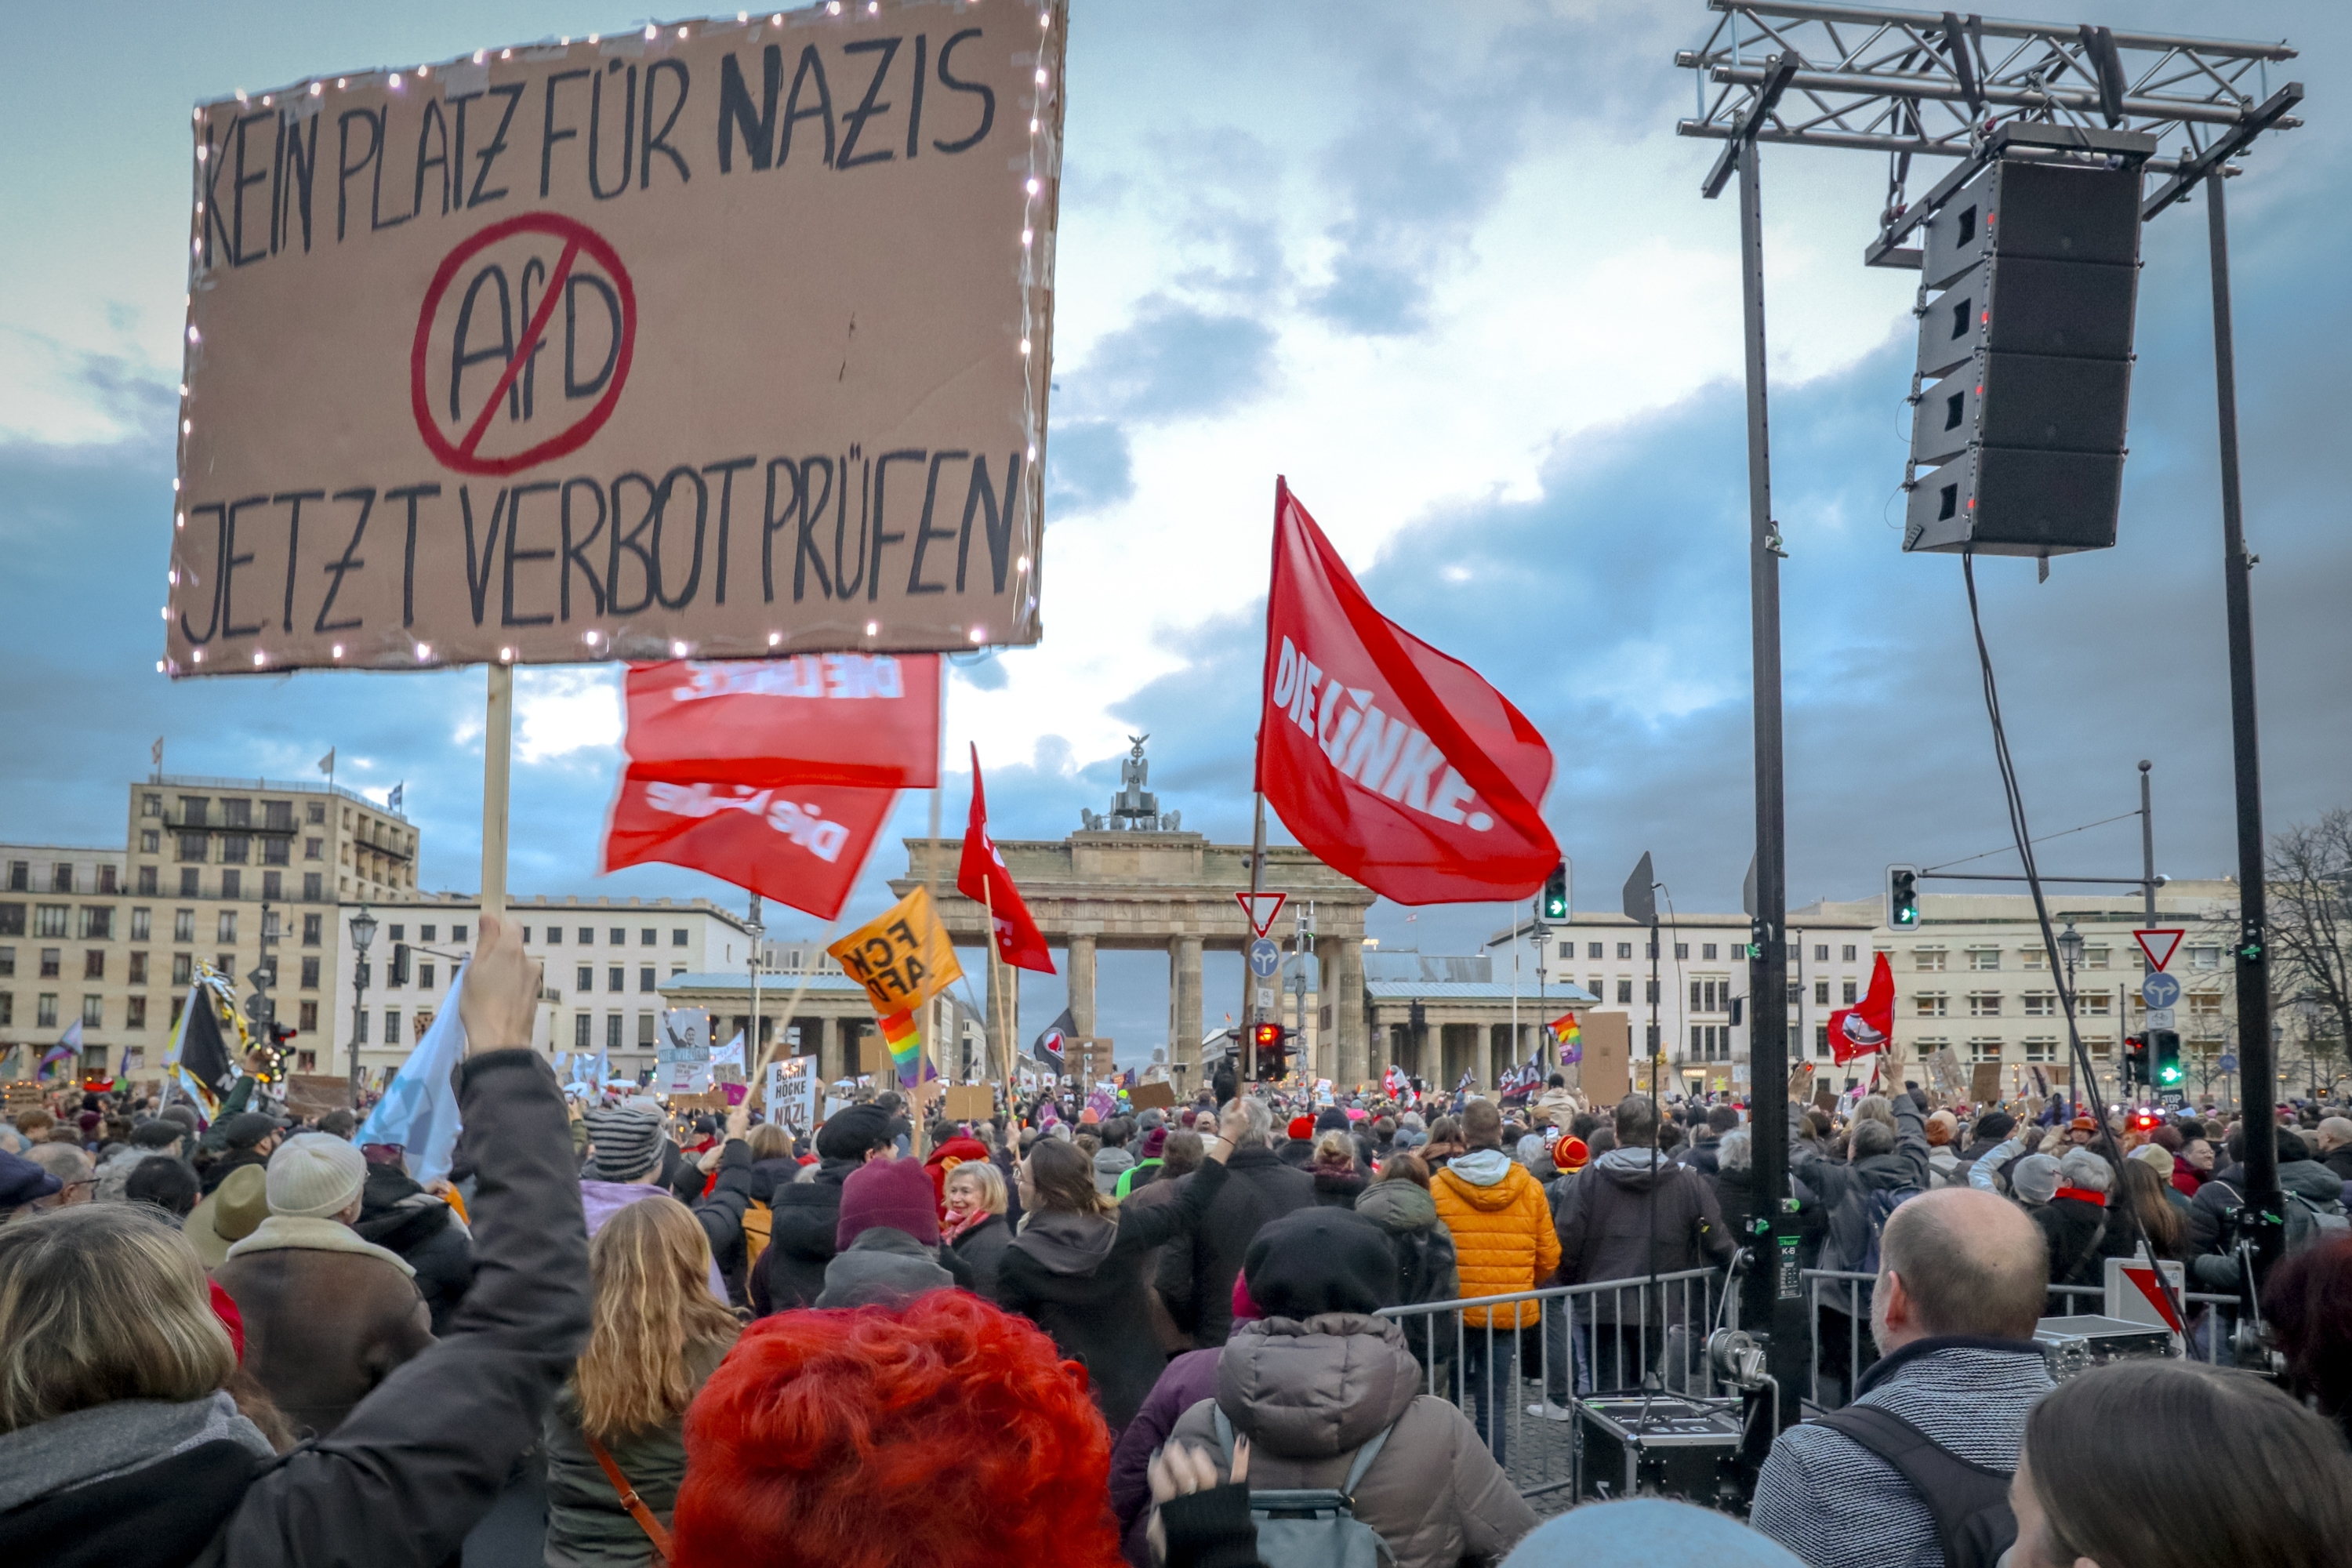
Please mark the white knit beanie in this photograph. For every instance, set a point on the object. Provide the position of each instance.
(314, 1175)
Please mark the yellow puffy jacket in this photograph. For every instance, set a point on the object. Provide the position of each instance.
(1503, 1237)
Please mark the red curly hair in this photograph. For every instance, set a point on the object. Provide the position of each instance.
(943, 1434)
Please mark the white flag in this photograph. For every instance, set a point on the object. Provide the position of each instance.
(327, 762)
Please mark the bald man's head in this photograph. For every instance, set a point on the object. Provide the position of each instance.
(1970, 1262)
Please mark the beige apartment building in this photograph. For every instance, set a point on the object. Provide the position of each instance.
(213, 870)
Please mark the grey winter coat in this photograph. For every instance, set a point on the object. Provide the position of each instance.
(1846, 1189)
(1837, 1505)
(884, 1266)
(1308, 1395)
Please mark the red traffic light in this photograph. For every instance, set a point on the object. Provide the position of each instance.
(1265, 1037)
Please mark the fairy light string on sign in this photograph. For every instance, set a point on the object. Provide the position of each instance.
(305, 100)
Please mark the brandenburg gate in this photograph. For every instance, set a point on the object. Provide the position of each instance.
(1131, 879)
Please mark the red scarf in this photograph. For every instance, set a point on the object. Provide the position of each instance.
(2096, 1200)
(952, 1229)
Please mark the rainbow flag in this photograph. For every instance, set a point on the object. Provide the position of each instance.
(905, 1038)
(1571, 1036)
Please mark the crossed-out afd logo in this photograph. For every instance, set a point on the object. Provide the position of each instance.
(1372, 750)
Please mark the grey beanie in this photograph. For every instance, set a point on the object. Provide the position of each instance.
(627, 1142)
(2034, 1178)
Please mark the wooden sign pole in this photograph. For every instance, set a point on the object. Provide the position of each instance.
(497, 760)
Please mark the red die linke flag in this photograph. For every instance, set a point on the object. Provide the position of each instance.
(1866, 1027)
(982, 877)
(802, 845)
(1392, 762)
(819, 717)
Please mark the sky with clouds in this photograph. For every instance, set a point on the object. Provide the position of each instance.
(1448, 269)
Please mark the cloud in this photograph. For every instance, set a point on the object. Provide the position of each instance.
(1087, 468)
(1175, 361)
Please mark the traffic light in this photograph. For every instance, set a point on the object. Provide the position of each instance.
(1902, 898)
(399, 975)
(2024, 366)
(1267, 1040)
(1555, 893)
(2135, 1060)
(2164, 1046)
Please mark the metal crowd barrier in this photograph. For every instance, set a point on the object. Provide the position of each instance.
(2211, 1322)
(1582, 1340)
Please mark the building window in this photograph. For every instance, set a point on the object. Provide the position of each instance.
(2040, 1004)
(227, 926)
(555, 936)
(93, 963)
(1928, 960)
(147, 883)
(45, 1010)
(49, 919)
(1931, 1005)
(1682, 949)
(1624, 950)
(307, 1017)
(1624, 993)
(645, 1031)
(1984, 1004)
(1712, 995)
(1821, 1039)
(359, 1029)
(189, 886)
(134, 1012)
(273, 886)
(2096, 957)
(314, 848)
(1593, 950)
(2033, 958)
(1566, 951)
(142, 922)
(645, 937)
(236, 848)
(428, 933)
(2094, 1005)
(314, 812)
(2041, 1048)
(151, 805)
(425, 977)
(1650, 991)
(184, 925)
(615, 979)
(20, 876)
(612, 1031)
(587, 977)
(1981, 1050)
(311, 931)
(7, 962)
(587, 936)
(52, 962)
(310, 973)
(225, 963)
(619, 937)
(314, 887)
(400, 933)
(677, 939)
(11, 920)
(391, 1025)
(9, 1009)
(580, 1026)
(2205, 958)
(184, 968)
(96, 923)
(232, 884)
(458, 934)
(1820, 993)
(646, 978)
(61, 876)
(1707, 949)
(106, 882)
(1984, 958)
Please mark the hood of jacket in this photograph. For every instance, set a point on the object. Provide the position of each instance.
(1632, 1169)
(290, 1233)
(1067, 1243)
(2310, 1179)
(1488, 1180)
(884, 1265)
(101, 1440)
(1397, 1206)
(1319, 1387)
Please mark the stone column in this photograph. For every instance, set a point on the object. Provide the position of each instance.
(1184, 997)
(1345, 956)
(1482, 1055)
(1080, 965)
(830, 1049)
(1003, 995)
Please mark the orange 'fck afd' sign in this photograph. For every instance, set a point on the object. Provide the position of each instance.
(903, 959)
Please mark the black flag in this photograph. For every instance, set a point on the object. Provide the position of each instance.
(1047, 1048)
(201, 1055)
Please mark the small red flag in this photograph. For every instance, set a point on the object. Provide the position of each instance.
(1866, 1027)
(801, 844)
(829, 718)
(982, 877)
(1392, 762)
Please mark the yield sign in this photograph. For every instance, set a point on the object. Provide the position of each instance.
(2159, 946)
(1261, 909)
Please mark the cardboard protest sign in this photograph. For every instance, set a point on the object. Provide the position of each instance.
(721, 338)
(1984, 1083)
(903, 958)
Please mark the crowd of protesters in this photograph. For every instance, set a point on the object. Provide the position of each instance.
(616, 1336)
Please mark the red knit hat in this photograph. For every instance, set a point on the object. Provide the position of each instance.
(1571, 1153)
(946, 1433)
(1302, 1128)
(896, 1193)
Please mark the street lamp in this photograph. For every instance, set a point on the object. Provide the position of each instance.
(362, 933)
(2070, 951)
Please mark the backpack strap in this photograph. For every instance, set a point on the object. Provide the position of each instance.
(1953, 1488)
(1356, 1470)
(1224, 1436)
